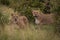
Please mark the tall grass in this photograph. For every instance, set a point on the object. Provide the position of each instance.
(12, 32)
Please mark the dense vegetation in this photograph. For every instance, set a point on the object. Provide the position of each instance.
(24, 7)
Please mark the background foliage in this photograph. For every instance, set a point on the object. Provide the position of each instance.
(25, 6)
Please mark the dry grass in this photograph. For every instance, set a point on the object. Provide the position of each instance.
(12, 32)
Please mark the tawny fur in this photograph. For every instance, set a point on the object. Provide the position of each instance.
(43, 18)
(21, 21)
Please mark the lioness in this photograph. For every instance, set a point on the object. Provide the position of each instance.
(21, 21)
(41, 18)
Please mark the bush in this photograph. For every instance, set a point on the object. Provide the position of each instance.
(5, 2)
(4, 19)
(57, 19)
(27, 12)
(56, 11)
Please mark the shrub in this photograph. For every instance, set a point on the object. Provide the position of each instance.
(5, 2)
(27, 12)
(3, 19)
